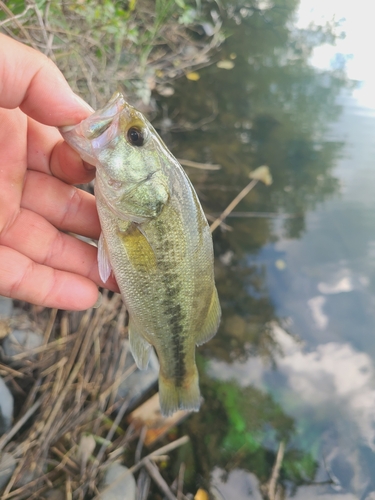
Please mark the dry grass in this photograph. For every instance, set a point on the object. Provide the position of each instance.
(72, 381)
(70, 426)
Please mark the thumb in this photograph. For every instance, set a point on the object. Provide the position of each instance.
(31, 81)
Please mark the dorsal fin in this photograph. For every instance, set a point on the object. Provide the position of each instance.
(212, 321)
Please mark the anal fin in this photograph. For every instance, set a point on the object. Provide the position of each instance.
(139, 347)
(212, 321)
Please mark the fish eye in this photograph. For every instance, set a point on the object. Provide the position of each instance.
(136, 136)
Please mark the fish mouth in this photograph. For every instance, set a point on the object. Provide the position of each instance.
(67, 128)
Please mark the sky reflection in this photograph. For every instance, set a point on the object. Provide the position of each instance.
(325, 291)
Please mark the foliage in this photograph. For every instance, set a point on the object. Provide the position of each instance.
(135, 46)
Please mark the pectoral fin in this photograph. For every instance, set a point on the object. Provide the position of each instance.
(138, 249)
(139, 347)
(211, 324)
(103, 260)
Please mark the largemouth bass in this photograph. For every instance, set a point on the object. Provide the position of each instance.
(156, 240)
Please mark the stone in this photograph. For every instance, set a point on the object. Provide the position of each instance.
(6, 407)
(6, 307)
(118, 483)
(7, 465)
(20, 341)
(6, 311)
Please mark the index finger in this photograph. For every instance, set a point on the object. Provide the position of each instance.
(32, 82)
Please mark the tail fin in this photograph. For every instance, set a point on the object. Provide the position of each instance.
(179, 397)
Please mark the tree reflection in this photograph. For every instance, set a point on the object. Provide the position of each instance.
(272, 108)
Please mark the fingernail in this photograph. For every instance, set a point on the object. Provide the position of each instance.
(99, 301)
(83, 103)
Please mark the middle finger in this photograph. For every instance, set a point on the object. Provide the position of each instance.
(66, 207)
(33, 236)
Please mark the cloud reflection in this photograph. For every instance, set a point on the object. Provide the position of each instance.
(332, 383)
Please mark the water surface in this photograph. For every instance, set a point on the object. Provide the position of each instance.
(293, 361)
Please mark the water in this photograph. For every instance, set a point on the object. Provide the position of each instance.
(293, 361)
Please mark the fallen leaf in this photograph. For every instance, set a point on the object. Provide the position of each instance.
(149, 415)
(226, 64)
(201, 495)
(193, 76)
(280, 264)
(262, 174)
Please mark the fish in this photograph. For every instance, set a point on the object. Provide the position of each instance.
(156, 241)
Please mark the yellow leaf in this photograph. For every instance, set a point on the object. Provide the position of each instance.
(280, 264)
(262, 174)
(193, 76)
(201, 495)
(226, 64)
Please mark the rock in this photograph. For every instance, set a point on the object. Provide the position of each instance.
(7, 465)
(6, 407)
(140, 381)
(118, 484)
(20, 341)
(6, 310)
(6, 307)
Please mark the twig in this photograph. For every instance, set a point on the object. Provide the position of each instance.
(161, 451)
(58, 365)
(159, 480)
(265, 215)
(65, 459)
(180, 482)
(138, 450)
(118, 381)
(202, 166)
(233, 204)
(68, 489)
(83, 350)
(56, 344)
(143, 485)
(112, 430)
(10, 371)
(50, 324)
(8, 436)
(276, 471)
(169, 447)
(210, 217)
(18, 24)
(18, 16)
(20, 466)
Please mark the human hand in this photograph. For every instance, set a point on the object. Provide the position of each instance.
(39, 263)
